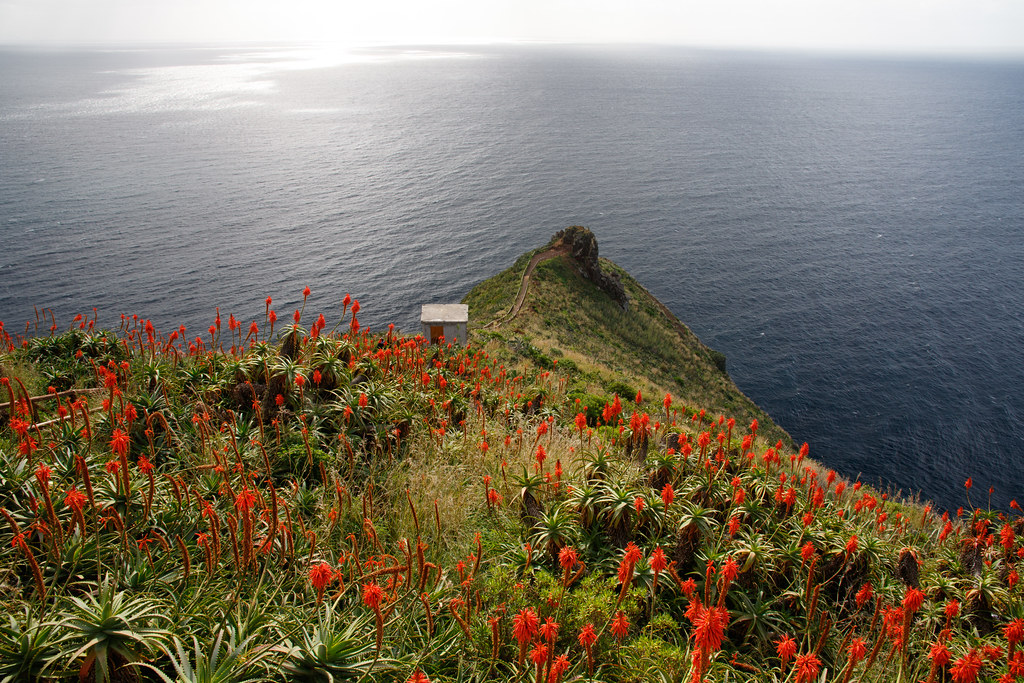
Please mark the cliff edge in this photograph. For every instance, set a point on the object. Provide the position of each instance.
(605, 331)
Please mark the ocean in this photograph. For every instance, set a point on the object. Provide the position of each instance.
(846, 229)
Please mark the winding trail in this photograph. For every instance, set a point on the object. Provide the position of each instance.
(525, 284)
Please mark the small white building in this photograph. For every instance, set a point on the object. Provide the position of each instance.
(445, 320)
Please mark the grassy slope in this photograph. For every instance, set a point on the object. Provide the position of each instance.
(566, 317)
(340, 469)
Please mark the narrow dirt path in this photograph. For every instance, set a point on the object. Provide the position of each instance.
(525, 284)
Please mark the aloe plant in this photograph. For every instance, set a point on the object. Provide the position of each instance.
(27, 645)
(336, 648)
(106, 630)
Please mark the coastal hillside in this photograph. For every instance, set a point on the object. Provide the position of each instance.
(577, 494)
(620, 339)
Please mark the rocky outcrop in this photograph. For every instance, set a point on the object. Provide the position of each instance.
(583, 246)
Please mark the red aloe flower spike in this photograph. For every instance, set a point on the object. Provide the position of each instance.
(524, 628)
(619, 625)
(320, 576)
(558, 668)
(785, 647)
(539, 656)
(1014, 633)
(807, 668)
(373, 595)
(857, 651)
(965, 669)
(587, 638)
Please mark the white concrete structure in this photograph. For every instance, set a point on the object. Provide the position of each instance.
(445, 320)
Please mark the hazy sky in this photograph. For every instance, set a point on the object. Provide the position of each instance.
(886, 25)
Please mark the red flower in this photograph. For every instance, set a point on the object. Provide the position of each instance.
(807, 551)
(992, 652)
(581, 421)
(558, 668)
(851, 545)
(568, 558)
(363, 400)
(730, 570)
(43, 473)
(620, 625)
(525, 625)
(709, 628)
(857, 650)
(1014, 632)
(321, 576)
(965, 669)
(628, 563)
(939, 654)
(807, 667)
(75, 499)
(913, 599)
(549, 631)
(539, 654)
(587, 636)
(119, 442)
(1007, 537)
(373, 595)
(1016, 664)
(658, 561)
(305, 293)
(145, 466)
(245, 500)
(417, 675)
(668, 494)
(786, 648)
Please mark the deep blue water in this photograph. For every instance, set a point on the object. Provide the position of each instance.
(848, 231)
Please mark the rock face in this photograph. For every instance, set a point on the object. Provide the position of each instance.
(583, 247)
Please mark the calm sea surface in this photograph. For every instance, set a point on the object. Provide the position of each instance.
(848, 231)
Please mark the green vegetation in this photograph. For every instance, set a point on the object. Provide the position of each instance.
(607, 350)
(314, 505)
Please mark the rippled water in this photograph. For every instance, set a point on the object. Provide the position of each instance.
(847, 231)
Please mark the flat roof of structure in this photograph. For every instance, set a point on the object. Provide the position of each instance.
(444, 313)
